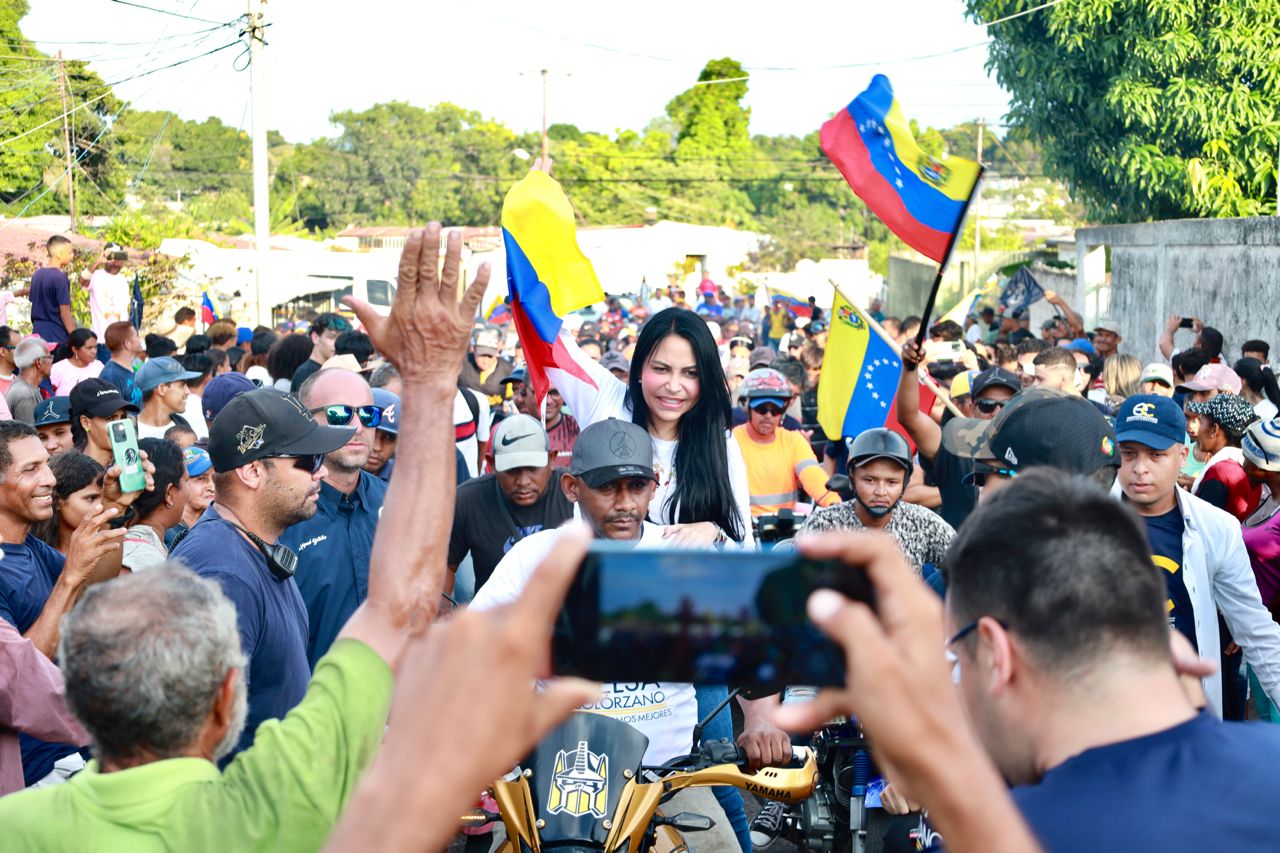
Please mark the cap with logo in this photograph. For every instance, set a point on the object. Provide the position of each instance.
(1231, 412)
(1213, 377)
(55, 410)
(196, 460)
(389, 402)
(98, 398)
(487, 342)
(614, 360)
(764, 386)
(611, 450)
(519, 441)
(1151, 419)
(1157, 372)
(264, 423)
(1039, 426)
(1261, 444)
(995, 377)
(221, 390)
(160, 371)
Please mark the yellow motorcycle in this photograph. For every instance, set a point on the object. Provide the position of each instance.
(585, 789)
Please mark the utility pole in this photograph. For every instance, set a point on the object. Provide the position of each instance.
(544, 116)
(977, 218)
(66, 141)
(255, 30)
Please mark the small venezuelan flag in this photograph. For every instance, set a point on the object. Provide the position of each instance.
(208, 310)
(498, 314)
(858, 388)
(548, 277)
(921, 198)
(797, 307)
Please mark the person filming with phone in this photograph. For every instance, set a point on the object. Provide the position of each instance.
(611, 479)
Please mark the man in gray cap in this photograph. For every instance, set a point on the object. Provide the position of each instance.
(611, 479)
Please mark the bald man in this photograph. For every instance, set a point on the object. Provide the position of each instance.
(335, 544)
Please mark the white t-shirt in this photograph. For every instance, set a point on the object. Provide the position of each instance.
(664, 712)
(143, 548)
(194, 413)
(1265, 409)
(66, 375)
(108, 300)
(470, 446)
(148, 431)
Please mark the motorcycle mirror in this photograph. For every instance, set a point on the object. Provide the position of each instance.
(686, 822)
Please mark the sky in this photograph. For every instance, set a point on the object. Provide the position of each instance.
(611, 67)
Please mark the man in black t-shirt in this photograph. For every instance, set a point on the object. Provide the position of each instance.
(495, 511)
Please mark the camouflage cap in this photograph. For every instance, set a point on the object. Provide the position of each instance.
(970, 438)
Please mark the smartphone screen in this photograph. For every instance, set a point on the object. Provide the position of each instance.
(705, 617)
(124, 447)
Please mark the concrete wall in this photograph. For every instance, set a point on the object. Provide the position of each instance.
(1224, 271)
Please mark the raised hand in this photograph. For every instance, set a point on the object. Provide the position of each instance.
(111, 494)
(91, 542)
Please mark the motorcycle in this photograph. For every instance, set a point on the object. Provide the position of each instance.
(585, 788)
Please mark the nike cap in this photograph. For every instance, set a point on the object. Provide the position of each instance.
(520, 442)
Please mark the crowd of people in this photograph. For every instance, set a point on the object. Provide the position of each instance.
(319, 621)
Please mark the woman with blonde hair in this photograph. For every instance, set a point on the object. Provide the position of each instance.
(1121, 375)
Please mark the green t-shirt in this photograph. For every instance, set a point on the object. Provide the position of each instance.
(284, 793)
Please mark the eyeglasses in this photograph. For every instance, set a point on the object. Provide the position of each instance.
(987, 407)
(952, 657)
(341, 415)
(768, 409)
(311, 463)
(979, 478)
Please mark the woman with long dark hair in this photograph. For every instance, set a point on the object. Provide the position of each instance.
(678, 392)
(75, 361)
(1259, 387)
(79, 488)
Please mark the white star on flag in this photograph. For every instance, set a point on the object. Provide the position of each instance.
(899, 183)
(874, 395)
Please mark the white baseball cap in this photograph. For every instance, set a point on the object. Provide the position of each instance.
(520, 442)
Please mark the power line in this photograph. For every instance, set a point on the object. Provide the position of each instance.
(172, 64)
(134, 43)
(56, 118)
(1020, 14)
(165, 12)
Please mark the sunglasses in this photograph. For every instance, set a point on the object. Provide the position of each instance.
(768, 409)
(989, 406)
(341, 414)
(311, 463)
(979, 478)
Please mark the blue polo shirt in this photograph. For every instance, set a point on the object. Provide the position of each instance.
(269, 613)
(27, 575)
(333, 548)
(122, 378)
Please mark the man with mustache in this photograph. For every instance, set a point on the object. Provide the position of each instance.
(268, 457)
(498, 510)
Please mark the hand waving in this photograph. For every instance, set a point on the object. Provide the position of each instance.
(426, 334)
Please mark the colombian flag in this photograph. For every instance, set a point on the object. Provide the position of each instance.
(860, 373)
(208, 310)
(547, 275)
(921, 198)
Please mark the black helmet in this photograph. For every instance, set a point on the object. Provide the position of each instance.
(880, 443)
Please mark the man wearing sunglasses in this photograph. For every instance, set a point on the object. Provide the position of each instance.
(268, 456)
(335, 544)
(779, 461)
(990, 389)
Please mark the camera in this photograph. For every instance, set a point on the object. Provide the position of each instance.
(118, 256)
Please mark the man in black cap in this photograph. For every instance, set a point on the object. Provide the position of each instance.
(268, 458)
(990, 390)
(94, 404)
(53, 424)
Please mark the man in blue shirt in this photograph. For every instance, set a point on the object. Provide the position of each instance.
(268, 458)
(334, 545)
(1061, 650)
(124, 342)
(51, 293)
(38, 586)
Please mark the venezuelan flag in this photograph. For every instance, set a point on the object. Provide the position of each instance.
(797, 307)
(547, 275)
(921, 198)
(960, 313)
(498, 313)
(860, 373)
(208, 309)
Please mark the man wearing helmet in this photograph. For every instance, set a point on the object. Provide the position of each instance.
(779, 461)
(880, 467)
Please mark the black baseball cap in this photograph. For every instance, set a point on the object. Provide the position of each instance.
(995, 377)
(266, 423)
(98, 398)
(55, 410)
(611, 450)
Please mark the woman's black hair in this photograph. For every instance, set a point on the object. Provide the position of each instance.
(703, 491)
(287, 355)
(1260, 379)
(167, 457)
(78, 338)
(73, 471)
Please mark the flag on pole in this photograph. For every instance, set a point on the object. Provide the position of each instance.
(548, 277)
(795, 306)
(921, 198)
(959, 313)
(1021, 291)
(208, 308)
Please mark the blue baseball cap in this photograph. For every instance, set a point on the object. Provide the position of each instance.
(197, 461)
(162, 370)
(757, 402)
(221, 390)
(55, 410)
(390, 405)
(1083, 345)
(1152, 420)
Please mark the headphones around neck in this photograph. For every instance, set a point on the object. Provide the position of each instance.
(281, 559)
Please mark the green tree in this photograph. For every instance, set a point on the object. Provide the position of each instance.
(1153, 110)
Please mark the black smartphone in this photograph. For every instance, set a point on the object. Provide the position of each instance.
(1187, 323)
(703, 617)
